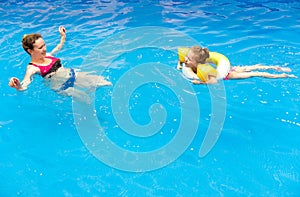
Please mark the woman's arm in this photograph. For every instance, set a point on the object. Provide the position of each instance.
(20, 86)
(62, 32)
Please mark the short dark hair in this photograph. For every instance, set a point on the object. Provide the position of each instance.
(28, 41)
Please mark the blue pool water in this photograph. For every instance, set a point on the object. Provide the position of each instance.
(44, 150)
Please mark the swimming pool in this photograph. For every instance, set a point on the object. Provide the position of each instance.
(256, 154)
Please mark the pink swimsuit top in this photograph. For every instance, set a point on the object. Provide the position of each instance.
(48, 68)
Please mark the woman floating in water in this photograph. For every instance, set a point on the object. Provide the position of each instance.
(62, 80)
(195, 65)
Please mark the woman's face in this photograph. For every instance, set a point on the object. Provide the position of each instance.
(190, 60)
(39, 48)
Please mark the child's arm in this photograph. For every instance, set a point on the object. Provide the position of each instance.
(212, 79)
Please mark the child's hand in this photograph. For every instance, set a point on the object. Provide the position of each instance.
(179, 66)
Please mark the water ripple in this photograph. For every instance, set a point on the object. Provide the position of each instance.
(248, 32)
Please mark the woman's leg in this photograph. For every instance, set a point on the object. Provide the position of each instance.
(244, 75)
(260, 67)
(76, 94)
(85, 80)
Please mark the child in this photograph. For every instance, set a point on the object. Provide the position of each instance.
(197, 57)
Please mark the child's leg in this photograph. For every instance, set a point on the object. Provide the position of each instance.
(244, 75)
(260, 67)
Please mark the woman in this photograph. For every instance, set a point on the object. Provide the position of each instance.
(62, 80)
(197, 55)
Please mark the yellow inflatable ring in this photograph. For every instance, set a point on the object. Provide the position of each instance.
(221, 61)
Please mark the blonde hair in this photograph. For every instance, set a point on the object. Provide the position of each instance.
(200, 54)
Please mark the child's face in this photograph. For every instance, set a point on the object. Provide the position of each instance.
(189, 60)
